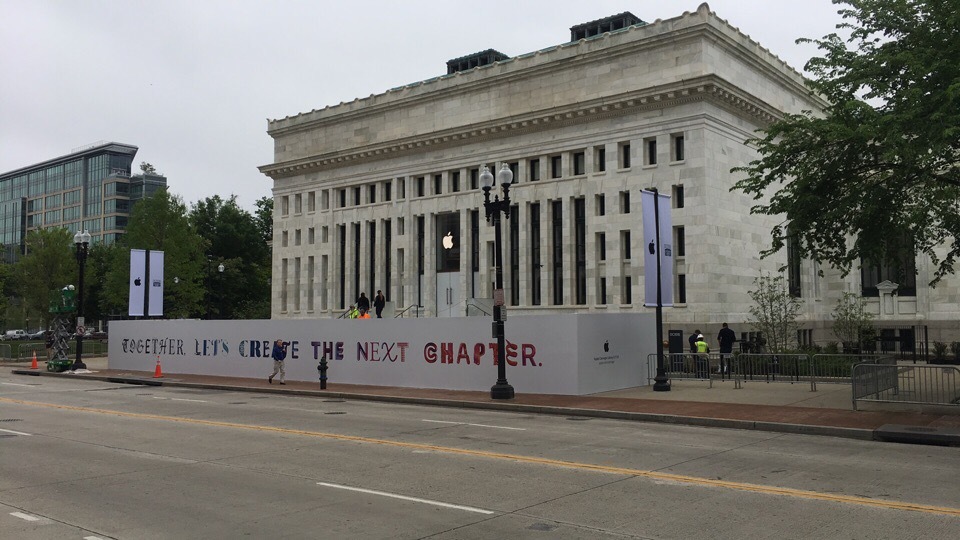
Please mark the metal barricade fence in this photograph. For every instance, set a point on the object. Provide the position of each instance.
(910, 383)
(772, 367)
(25, 351)
(6, 351)
(837, 368)
(692, 366)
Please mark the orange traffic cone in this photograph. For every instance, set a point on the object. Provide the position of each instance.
(157, 373)
(33, 365)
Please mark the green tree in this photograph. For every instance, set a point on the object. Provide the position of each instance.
(264, 218)
(852, 323)
(879, 171)
(234, 238)
(49, 264)
(774, 313)
(159, 222)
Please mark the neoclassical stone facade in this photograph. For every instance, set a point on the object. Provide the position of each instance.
(366, 190)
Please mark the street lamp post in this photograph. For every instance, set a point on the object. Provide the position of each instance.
(501, 390)
(220, 269)
(81, 241)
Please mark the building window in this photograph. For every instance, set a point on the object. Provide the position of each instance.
(556, 167)
(580, 244)
(678, 196)
(680, 242)
(625, 245)
(387, 191)
(793, 267)
(324, 233)
(650, 149)
(624, 202)
(298, 204)
(515, 169)
(600, 159)
(400, 223)
(557, 240)
(535, 256)
(421, 189)
(602, 293)
(624, 155)
(312, 201)
(296, 237)
(474, 178)
(682, 288)
(356, 195)
(401, 188)
(601, 205)
(514, 255)
(437, 184)
(343, 198)
(283, 239)
(325, 200)
(898, 267)
(534, 170)
(285, 205)
(627, 289)
(601, 246)
(676, 148)
(455, 181)
(372, 193)
(311, 236)
(579, 163)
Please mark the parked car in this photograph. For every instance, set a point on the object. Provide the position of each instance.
(39, 334)
(14, 335)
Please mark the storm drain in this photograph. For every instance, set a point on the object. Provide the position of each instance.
(11, 419)
(237, 403)
(577, 419)
(333, 401)
(335, 412)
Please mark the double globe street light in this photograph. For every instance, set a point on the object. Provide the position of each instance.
(81, 242)
(494, 208)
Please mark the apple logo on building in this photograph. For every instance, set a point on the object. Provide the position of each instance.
(136, 282)
(448, 241)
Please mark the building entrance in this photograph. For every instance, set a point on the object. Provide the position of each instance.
(449, 301)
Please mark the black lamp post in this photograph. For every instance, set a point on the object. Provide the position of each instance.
(501, 390)
(220, 269)
(81, 241)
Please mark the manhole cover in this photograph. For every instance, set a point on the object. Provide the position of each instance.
(335, 412)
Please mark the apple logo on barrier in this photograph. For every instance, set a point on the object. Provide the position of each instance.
(136, 282)
(652, 248)
(448, 241)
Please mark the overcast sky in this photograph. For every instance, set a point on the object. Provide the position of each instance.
(193, 82)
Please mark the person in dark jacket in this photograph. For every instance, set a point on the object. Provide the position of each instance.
(378, 302)
(279, 354)
(726, 338)
(693, 340)
(363, 303)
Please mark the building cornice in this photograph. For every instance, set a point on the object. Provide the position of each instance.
(709, 88)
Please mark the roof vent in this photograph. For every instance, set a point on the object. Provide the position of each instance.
(471, 61)
(607, 24)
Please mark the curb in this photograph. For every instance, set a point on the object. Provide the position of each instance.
(917, 435)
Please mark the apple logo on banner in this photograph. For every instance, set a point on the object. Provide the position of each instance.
(136, 282)
(448, 241)
(652, 247)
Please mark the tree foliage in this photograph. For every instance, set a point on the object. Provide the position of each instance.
(774, 312)
(879, 171)
(48, 265)
(852, 323)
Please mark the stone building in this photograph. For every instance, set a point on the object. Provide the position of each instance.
(366, 191)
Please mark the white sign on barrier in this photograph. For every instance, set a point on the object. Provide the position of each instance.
(561, 354)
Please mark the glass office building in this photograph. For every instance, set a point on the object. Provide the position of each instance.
(91, 188)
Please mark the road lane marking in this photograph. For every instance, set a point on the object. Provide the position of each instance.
(406, 498)
(691, 480)
(15, 432)
(27, 517)
(181, 399)
(476, 425)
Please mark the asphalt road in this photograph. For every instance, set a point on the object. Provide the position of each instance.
(81, 459)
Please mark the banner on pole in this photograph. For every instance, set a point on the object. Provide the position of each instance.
(652, 206)
(138, 273)
(155, 294)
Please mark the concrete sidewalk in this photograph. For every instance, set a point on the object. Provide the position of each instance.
(777, 407)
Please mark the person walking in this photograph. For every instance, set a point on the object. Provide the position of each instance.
(353, 312)
(279, 354)
(703, 361)
(364, 314)
(692, 340)
(726, 338)
(363, 303)
(378, 302)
